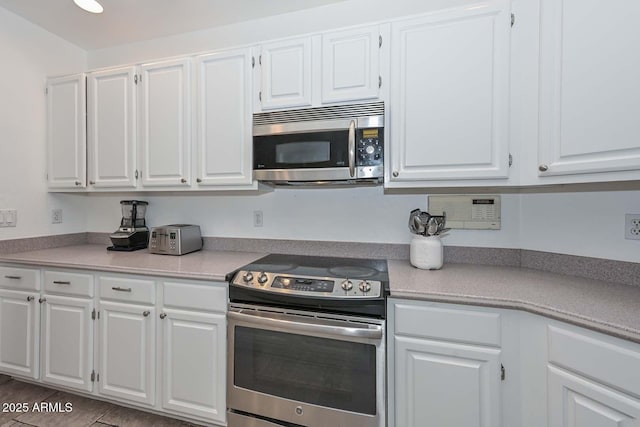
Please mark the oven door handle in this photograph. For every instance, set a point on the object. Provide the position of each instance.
(283, 321)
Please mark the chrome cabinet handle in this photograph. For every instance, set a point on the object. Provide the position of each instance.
(78, 183)
(13, 277)
(182, 180)
(30, 298)
(146, 313)
(543, 168)
(92, 182)
(395, 174)
(198, 180)
(119, 289)
(163, 315)
(61, 282)
(352, 148)
(41, 300)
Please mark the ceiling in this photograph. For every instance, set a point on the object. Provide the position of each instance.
(128, 21)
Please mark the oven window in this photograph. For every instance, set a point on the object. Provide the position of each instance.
(294, 153)
(325, 372)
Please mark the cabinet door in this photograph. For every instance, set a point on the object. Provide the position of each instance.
(450, 94)
(194, 381)
(351, 64)
(67, 342)
(19, 331)
(66, 132)
(165, 123)
(112, 127)
(224, 118)
(446, 384)
(286, 74)
(576, 402)
(127, 352)
(589, 87)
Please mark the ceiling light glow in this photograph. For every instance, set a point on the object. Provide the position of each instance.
(89, 5)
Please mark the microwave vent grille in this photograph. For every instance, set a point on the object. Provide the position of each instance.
(320, 113)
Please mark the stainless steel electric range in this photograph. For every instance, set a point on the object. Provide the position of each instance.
(307, 342)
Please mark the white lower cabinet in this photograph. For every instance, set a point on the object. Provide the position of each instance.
(578, 402)
(448, 372)
(446, 384)
(127, 352)
(193, 368)
(19, 332)
(67, 341)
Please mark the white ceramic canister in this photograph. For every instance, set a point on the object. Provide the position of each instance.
(426, 252)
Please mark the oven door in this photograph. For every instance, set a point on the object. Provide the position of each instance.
(306, 368)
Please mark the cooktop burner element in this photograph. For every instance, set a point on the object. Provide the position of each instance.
(325, 283)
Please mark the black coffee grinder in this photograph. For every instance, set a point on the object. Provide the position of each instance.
(133, 233)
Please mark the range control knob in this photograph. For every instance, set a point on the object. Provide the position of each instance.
(262, 278)
(370, 149)
(247, 277)
(347, 285)
(364, 286)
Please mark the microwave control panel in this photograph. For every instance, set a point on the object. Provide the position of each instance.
(370, 147)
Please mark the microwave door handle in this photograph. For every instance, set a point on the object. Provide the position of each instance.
(283, 322)
(352, 148)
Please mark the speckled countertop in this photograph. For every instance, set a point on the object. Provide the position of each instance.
(602, 306)
(203, 265)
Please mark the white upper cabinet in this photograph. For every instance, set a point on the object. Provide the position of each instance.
(165, 123)
(351, 64)
(589, 87)
(286, 73)
(112, 127)
(66, 132)
(224, 111)
(450, 95)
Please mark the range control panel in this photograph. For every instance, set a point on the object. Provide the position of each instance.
(320, 287)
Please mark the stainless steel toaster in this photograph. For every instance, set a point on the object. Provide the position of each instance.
(175, 239)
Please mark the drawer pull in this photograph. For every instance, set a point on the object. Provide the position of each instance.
(146, 313)
(30, 298)
(119, 289)
(163, 315)
(41, 300)
(13, 277)
(61, 282)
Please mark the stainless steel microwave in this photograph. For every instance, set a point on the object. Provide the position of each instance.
(325, 145)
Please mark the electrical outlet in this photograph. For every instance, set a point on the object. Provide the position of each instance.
(56, 216)
(257, 219)
(632, 227)
(10, 217)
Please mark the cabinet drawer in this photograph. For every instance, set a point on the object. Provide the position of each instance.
(128, 290)
(60, 282)
(600, 359)
(447, 324)
(190, 296)
(20, 278)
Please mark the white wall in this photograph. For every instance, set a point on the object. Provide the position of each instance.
(362, 214)
(29, 55)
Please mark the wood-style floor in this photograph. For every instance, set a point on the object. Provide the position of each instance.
(85, 411)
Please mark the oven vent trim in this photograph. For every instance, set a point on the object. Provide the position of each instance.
(320, 113)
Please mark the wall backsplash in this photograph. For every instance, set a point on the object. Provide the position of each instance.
(586, 224)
